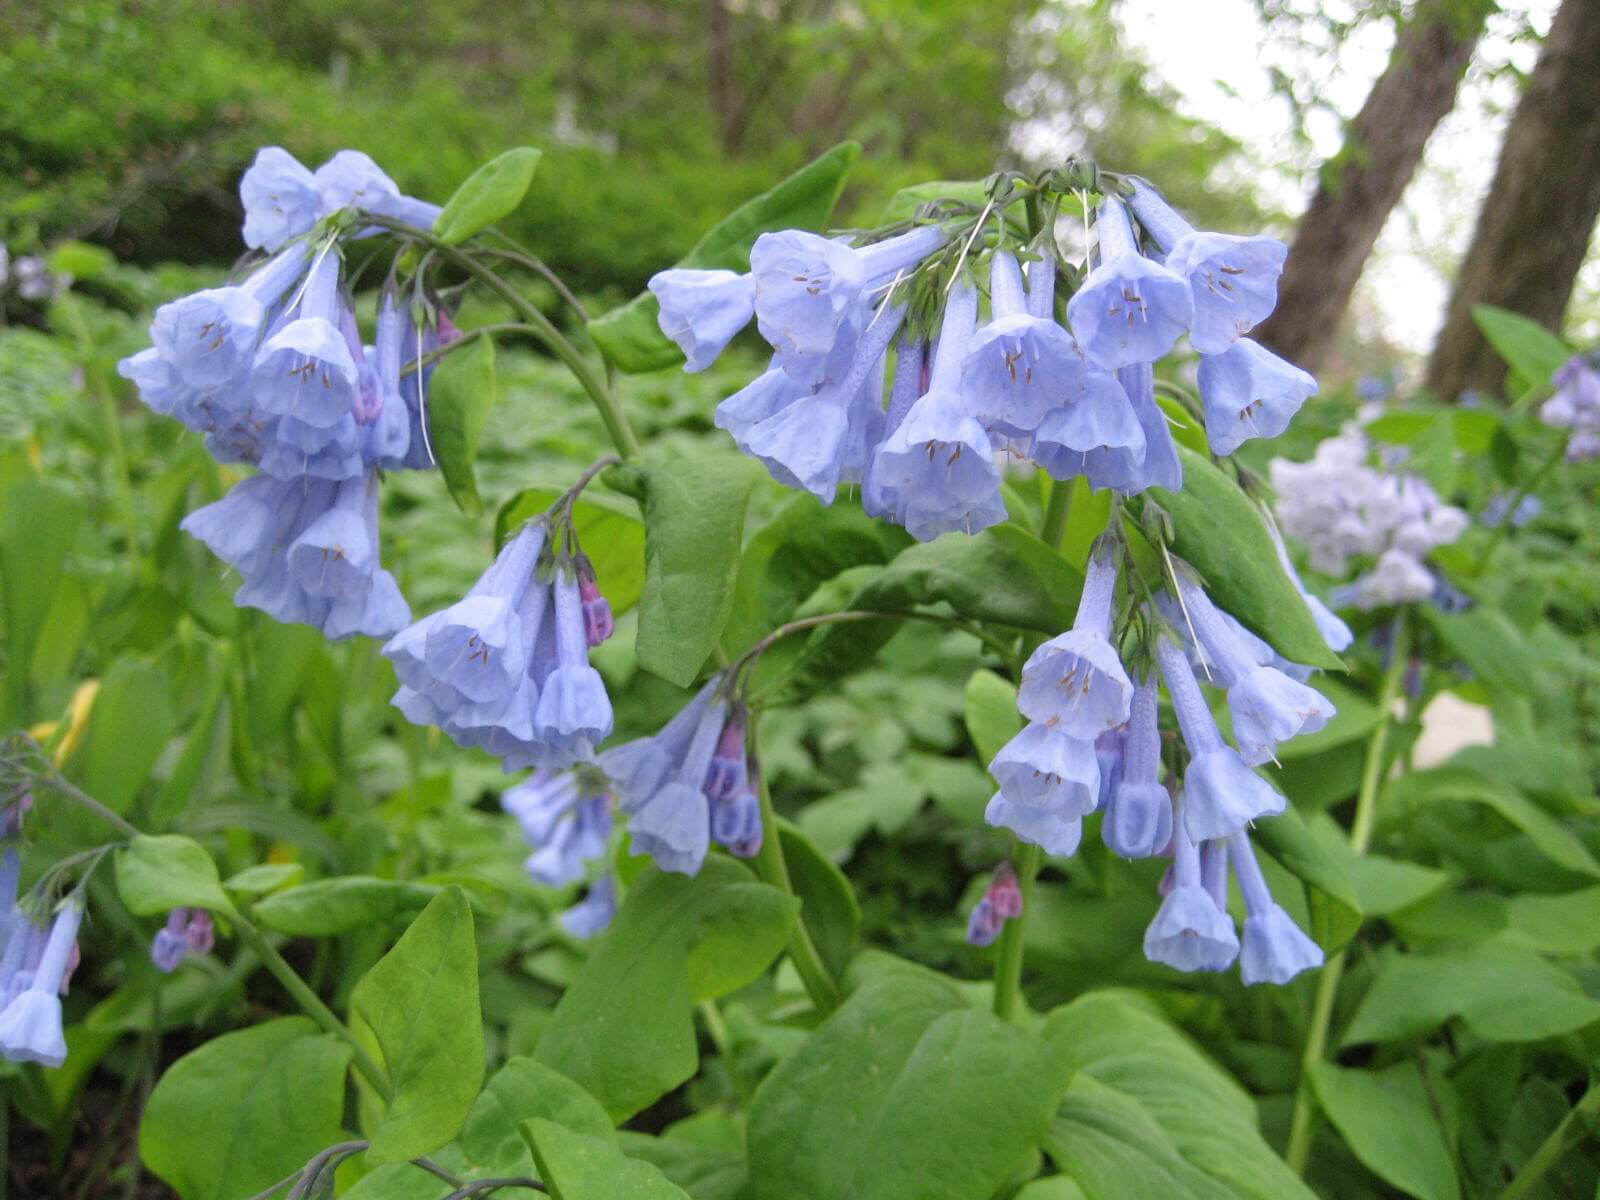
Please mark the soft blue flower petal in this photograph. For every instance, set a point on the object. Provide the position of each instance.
(1037, 825)
(1189, 933)
(1043, 767)
(702, 310)
(1249, 392)
(280, 198)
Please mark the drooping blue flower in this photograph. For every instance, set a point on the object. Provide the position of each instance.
(1038, 824)
(210, 337)
(1129, 309)
(1044, 768)
(1275, 949)
(936, 471)
(1249, 392)
(814, 294)
(804, 440)
(1019, 366)
(574, 712)
(187, 931)
(1233, 280)
(663, 789)
(702, 310)
(566, 818)
(732, 783)
(1075, 683)
(1139, 465)
(1190, 933)
(350, 179)
(1221, 794)
(281, 200)
(305, 369)
(389, 444)
(594, 912)
(1097, 420)
(598, 621)
(1138, 818)
(984, 923)
(1268, 707)
(1001, 902)
(1214, 872)
(912, 371)
(30, 1026)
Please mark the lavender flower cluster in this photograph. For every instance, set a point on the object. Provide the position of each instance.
(1093, 744)
(1343, 508)
(1076, 397)
(272, 371)
(1576, 405)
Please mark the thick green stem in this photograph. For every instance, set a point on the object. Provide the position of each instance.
(814, 974)
(1573, 1128)
(1298, 1150)
(616, 421)
(1008, 956)
(312, 1004)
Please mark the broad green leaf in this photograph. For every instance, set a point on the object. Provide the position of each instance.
(1149, 1115)
(129, 726)
(37, 527)
(461, 393)
(1055, 1187)
(80, 259)
(624, 1028)
(490, 193)
(520, 1091)
(609, 531)
(1222, 535)
(703, 1154)
(1002, 576)
(694, 511)
(245, 1109)
(789, 557)
(575, 1166)
(1554, 840)
(419, 1006)
(265, 878)
(1567, 924)
(828, 902)
(904, 1093)
(157, 874)
(903, 205)
(992, 715)
(1532, 351)
(1385, 1117)
(631, 338)
(1331, 899)
(1500, 992)
(330, 906)
(1490, 644)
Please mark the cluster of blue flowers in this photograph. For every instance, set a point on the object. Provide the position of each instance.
(1093, 743)
(272, 371)
(1576, 405)
(36, 958)
(1076, 397)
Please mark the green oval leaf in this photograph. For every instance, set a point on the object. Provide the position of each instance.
(576, 1166)
(418, 1006)
(332, 906)
(1387, 1120)
(1532, 351)
(491, 192)
(631, 338)
(158, 874)
(1221, 534)
(461, 393)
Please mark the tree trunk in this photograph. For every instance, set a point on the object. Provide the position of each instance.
(1534, 228)
(724, 86)
(1361, 185)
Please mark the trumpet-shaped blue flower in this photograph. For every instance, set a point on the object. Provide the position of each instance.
(281, 200)
(1152, 462)
(1020, 367)
(1268, 707)
(1221, 794)
(1001, 902)
(566, 818)
(1190, 933)
(1275, 949)
(30, 1026)
(187, 931)
(1129, 309)
(936, 471)
(1233, 280)
(574, 711)
(702, 310)
(1037, 824)
(594, 912)
(350, 179)
(1042, 767)
(1075, 683)
(210, 337)
(306, 370)
(1249, 392)
(1138, 820)
(736, 819)
(804, 441)
(671, 820)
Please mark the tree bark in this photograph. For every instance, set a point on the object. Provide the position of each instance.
(1533, 231)
(1361, 185)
